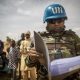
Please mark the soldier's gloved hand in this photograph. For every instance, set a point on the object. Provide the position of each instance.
(34, 55)
(33, 52)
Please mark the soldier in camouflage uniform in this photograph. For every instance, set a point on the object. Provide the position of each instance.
(61, 43)
(56, 37)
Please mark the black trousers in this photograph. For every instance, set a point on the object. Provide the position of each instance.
(13, 74)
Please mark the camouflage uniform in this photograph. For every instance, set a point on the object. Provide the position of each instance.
(68, 42)
(61, 43)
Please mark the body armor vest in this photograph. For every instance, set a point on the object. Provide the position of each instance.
(61, 45)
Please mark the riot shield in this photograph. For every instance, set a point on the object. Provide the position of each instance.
(41, 47)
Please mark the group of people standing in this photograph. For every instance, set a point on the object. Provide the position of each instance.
(16, 53)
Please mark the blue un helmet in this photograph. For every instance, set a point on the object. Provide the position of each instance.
(54, 11)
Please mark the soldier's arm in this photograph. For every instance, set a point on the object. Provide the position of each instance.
(76, 42)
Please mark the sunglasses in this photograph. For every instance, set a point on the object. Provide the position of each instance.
(55, 21)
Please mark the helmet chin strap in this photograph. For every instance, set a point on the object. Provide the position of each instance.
(55, 29)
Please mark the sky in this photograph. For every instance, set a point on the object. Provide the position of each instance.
(19, 16)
